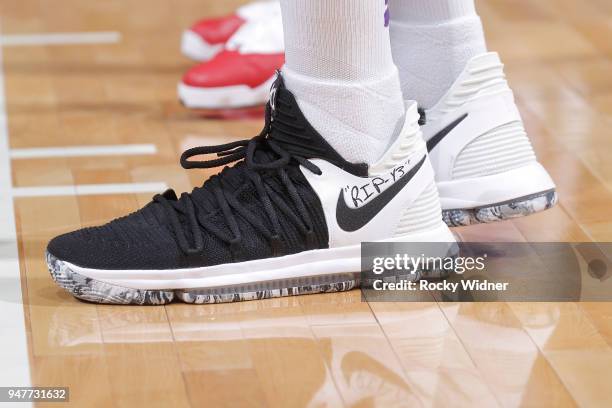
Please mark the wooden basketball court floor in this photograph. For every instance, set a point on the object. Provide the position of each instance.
(110, 81)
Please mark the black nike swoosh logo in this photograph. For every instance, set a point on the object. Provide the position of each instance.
(443, 133)
(352, 219)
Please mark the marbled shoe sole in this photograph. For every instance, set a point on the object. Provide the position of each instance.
(92, 290)
(95, 291)
(519, 207)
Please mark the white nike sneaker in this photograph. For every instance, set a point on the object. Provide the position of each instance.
(287, 219)
(485, 166)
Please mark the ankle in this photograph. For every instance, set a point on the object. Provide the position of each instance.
(430, 57)
(357, 118)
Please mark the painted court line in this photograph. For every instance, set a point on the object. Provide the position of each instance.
(99, 37)
(84, 151)
(14, 355)
(89, 189)
(14, 358)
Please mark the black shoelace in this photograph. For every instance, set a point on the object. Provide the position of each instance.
(224, 195)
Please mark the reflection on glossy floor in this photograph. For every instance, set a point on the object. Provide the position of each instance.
(316, 350)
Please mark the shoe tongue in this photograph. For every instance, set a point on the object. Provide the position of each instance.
(291, 130)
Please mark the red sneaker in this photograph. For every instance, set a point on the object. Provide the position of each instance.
(230, 80)
(241, 75)
(206, 38)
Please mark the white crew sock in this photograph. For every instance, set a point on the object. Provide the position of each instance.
(432, 41)
(340, 68)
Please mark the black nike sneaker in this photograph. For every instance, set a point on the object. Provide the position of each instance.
(287, 219)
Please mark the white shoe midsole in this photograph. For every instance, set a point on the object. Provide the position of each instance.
(494, 189)
(236, 96)
(309, 263)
